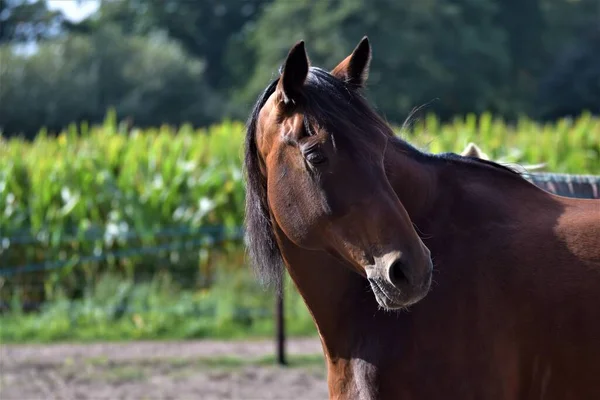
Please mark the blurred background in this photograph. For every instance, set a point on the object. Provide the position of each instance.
(121, 189)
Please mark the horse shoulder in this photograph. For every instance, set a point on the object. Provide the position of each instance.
(579, 228)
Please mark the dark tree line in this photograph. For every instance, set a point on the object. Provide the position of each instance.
(175, 61)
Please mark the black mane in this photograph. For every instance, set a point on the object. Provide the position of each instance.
(260, 239)
(478, 162)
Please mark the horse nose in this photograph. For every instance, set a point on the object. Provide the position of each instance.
(397, 272)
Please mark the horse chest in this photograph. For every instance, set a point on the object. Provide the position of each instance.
(353, 379)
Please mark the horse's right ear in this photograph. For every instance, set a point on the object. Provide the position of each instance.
(294, 74)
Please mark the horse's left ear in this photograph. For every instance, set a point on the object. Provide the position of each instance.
(355, 68)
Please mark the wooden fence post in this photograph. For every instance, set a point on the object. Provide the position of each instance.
(280, 329)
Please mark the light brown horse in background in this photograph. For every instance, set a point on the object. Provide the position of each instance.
(514, 307)
(472, 150)
(569, 185)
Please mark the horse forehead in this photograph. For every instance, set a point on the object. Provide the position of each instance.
(267, 124)
(274, 129)
(268, 113)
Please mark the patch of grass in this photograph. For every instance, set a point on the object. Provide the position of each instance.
(116, 310)
(104, 370)
(293, 361)
(122, 373)
(97, 361)
(304, 361)
(224, 362)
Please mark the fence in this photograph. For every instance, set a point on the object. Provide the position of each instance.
(191, 239)
(178, 239)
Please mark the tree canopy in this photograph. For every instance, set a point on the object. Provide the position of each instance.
(179, 61)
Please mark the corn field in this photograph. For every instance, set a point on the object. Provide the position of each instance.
(103, 199)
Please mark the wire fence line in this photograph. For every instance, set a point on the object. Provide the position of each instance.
(121, 309)
(205, 237)
(178, 237)
(140, 251)
(200, 238)
(97, 234)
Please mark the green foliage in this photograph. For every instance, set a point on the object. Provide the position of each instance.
(458, 58)
(99, 191)
(454, 56)
(214, 31)
(460, 53)
(573, 84)
(175, 61)
(116, 309)
(568, 146)
(567, 21)
(102, 199)
(150, 80)
(162, 202)
(26, 20)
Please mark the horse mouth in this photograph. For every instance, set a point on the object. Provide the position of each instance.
(391, 298)
(385, 300)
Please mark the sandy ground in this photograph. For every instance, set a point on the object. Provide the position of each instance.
(161, 370)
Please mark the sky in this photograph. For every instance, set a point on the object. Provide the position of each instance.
(74, 10)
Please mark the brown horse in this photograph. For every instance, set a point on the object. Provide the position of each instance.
(514, 307)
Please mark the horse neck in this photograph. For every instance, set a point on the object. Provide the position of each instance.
(441, 195)
(337, 297)
(414, 181)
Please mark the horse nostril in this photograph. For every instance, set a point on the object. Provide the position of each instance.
(396, 273)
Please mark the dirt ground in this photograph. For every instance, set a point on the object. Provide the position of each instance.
(162, 370)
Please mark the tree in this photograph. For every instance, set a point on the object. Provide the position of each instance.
(206, 29)
(24, 21)
(567, 21)
(454, 51)
(573, 83)
(149, 79)
(524, 24)
(212, 30)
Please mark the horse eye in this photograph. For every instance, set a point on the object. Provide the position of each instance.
(315, 157)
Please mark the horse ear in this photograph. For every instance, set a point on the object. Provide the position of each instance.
(355, 68)
(472, 150)
(295, 70)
